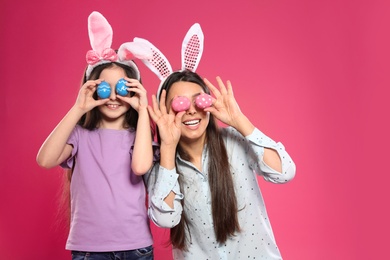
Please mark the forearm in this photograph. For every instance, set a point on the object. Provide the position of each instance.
(163, 184)
(167, 160)
(142, 158)
(270, 158)
(243, 125)
(54, 149)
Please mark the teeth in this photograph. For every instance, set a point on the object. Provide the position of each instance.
(112, 106)
(192, 122)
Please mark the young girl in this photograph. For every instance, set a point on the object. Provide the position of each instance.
(205, 187)
(106, 141)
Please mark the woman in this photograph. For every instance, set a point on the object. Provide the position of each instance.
(205, 187)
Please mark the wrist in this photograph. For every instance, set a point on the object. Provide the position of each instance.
(244, 125)
(77, 111)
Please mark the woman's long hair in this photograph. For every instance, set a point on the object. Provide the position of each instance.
(223, 197)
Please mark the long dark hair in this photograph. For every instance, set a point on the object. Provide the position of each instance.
(223, 197)
(91, 119)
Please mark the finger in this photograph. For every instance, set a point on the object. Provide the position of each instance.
(156, 109)
(213, 89)
(163, 107)
(152, 114)
(178, 118)
(221, 85)
(136, 90)
(90, 84)
(135, 84)
(212, 110)
(229, 88)
(125, 99)
(131, 79)
(100, 102)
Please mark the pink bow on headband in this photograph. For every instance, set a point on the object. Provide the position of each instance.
(108, 54)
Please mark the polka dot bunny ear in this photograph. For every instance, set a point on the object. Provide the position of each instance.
(192, 48)
(191, 53)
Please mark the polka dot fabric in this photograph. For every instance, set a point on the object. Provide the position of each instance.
(181, 104)
(191, 52)
(203, 100)
(256, 239)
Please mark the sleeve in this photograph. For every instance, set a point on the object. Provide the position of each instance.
(258, 141)
(73, 141)
(160, 183)
(156, 152)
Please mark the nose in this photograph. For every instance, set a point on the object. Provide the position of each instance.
(192, 109)
(113, 94)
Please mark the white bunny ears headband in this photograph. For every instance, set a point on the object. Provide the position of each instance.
(100, 36)
(191, 52)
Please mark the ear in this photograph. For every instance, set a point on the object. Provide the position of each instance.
(192, 48)
(158, 63)
(132, 50)
(100, 32)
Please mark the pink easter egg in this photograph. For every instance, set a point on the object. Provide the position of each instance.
(203, 100)
(180, 104)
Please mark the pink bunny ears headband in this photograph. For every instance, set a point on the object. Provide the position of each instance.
(191, 52)
(100, 36)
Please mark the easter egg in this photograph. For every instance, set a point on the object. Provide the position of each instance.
(121, 87)
(180, 104)
(103, 90)
(203, 100)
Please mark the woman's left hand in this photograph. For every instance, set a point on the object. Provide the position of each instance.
(140, 99)
(225, 106)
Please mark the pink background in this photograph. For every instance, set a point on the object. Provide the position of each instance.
(312, 74)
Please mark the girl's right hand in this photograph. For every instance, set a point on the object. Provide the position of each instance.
(85, 100)
(169, 124)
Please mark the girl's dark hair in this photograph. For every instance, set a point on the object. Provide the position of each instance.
(223, 196)
(91, 119)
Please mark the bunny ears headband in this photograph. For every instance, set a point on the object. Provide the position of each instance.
(191, 52)
(100, 36)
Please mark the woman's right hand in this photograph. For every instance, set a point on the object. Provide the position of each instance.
(169, 124)
(85, 100)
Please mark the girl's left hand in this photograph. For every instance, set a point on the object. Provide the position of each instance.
(225, 107)
(140, 99)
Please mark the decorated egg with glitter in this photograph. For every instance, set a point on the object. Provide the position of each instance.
(121, 87)
(103, 90)
(180, 104)
(203, 100)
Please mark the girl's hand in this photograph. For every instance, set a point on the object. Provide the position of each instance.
(85, 100)
(169, 124)
(225, 107)
(140, 99)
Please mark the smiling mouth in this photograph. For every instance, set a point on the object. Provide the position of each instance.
(192, 122)
(112, 106)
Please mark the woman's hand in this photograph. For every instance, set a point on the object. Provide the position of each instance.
(169, 124)
(140, 99)
(226, 109)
